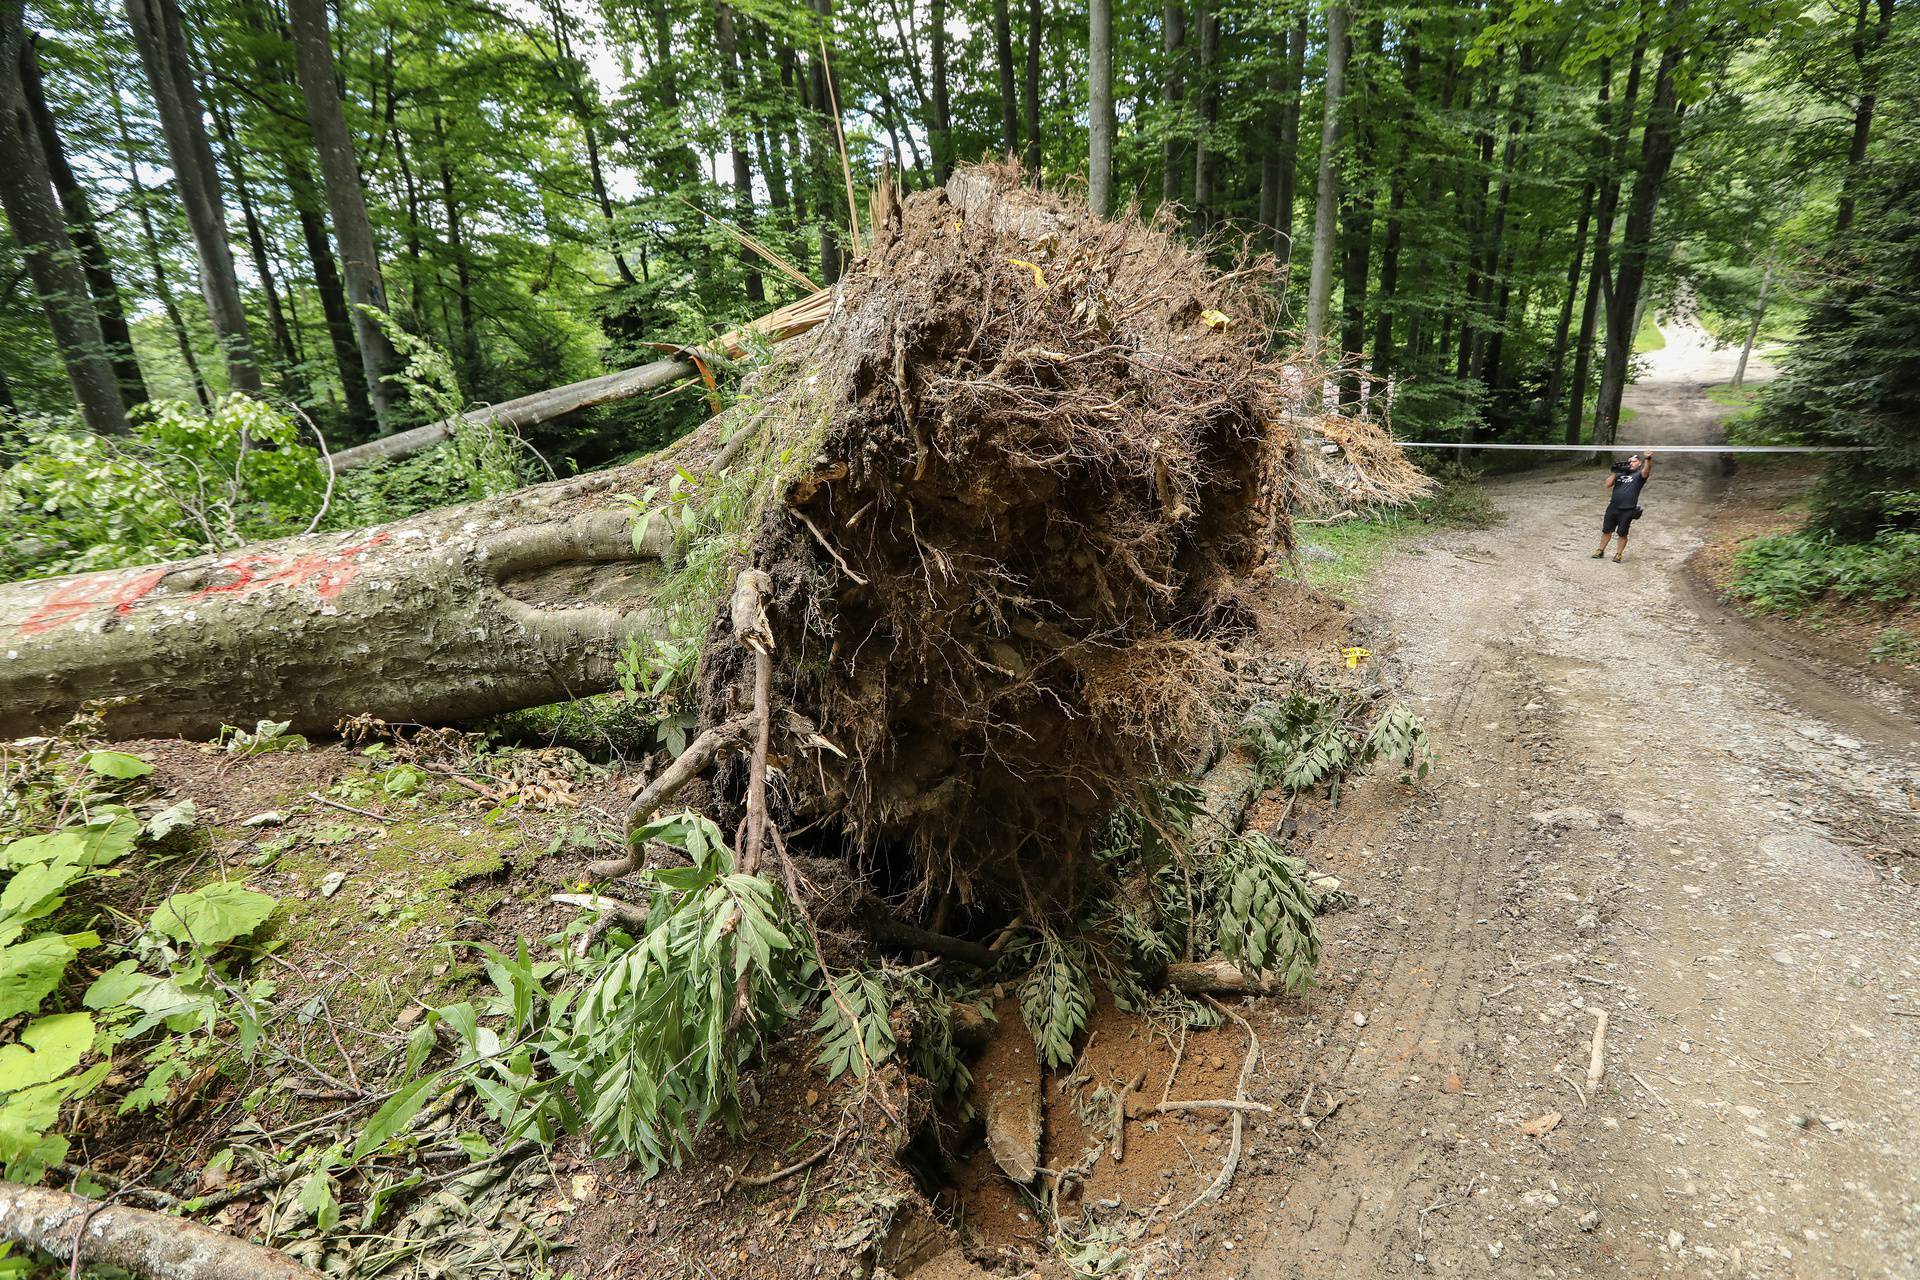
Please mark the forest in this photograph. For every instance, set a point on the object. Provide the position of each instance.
(821, 497)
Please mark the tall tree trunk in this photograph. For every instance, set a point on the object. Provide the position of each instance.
(1009, 99)
(1384, 309)
(1030, 88)
(1101, 123)
(156, 263)
(1658, 143)
(942, 112)
(1206, 159)
(1280, 144)
(1598, 277)
(354, 380)
(1327, 188)
(1753, 328)
(1173, 25)
(256, 237)
(826, 102)
(26, 195)
(1865, 45)
(347, 203)
(726, 37)
(74, 203)
(158, 31)
(467, 353)
(1478, 216)
(1499, 253)
(1356, 225)
(1563, 329)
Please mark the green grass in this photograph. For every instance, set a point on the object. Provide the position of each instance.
(1339, 557)
(1649, 338)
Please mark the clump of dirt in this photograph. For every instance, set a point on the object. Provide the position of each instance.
(1039, 453)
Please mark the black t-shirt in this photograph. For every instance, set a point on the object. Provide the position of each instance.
(1626, 489)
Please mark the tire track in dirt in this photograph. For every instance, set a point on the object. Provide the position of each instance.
(1631, 814)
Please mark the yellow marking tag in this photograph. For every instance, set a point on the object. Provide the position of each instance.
(1039, 280)
(1355, 655)
(1216, 319)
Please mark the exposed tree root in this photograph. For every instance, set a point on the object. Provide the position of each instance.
(156, 1245)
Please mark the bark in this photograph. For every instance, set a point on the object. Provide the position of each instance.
(1357, 229)
(1101, 126)
(468, 351)
(1753, 329)
(26, 194)
(1206, 159)
(156, 263)
(346, 202)
(333, 297)
(1327, 189)
(942, 111)
(256, 238)
(459, 613)
(1173, 25)
(1602, 246)
(78, 209)
(164, 53)
(1030, 87)
(1009, 94)
(826, 102)
(1499, 253)
(544, 406)
(1563, 329)
(1658, 143)
(1280, 151)
(1865, 45)
(155, 1245)
(726, 37)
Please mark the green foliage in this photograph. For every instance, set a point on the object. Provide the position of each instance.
(184, 482)
(1853, 377)
(199, 1008)
(1305, 740)
(208, 917)
(1056, 998)
(1797, 573)
(266, 736)
(855, 1026)
(1265, 921)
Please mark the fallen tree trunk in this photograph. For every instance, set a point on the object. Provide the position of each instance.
(1005, 500)
(156, 1245)
(556, 402)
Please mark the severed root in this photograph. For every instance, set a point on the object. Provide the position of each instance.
(1221, 1182)
(156, 1245)
(690, 764)
(889, 930)
(1217, 977)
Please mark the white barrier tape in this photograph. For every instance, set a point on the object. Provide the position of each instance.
(1642, 448)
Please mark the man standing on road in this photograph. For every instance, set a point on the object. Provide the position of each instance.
(1623, 506)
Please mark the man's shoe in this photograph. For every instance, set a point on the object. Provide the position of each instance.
(1599, 554)
(1616, 559)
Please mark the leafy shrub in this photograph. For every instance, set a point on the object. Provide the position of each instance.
(182, 483)
(1793, 573)
(1307, 740)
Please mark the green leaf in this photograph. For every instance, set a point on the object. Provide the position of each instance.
(48, 1049)
(393, 1115)
(104, 840)
(117, 764)
(175, 817)
(31, 969)
(208, 917)
(316, 1197)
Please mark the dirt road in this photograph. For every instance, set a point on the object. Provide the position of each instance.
(1636, 814)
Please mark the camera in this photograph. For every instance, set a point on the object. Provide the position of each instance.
(1622, 467)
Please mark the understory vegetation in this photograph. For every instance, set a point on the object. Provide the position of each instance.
(139, 988)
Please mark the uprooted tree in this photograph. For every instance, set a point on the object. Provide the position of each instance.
(1005, 500)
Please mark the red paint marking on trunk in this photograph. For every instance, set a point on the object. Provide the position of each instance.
(329, 573)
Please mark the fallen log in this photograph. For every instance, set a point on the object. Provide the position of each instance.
(556, 402)
(1006, 499)
(156, 1245)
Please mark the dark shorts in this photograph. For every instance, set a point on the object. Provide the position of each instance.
(1618, 520)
